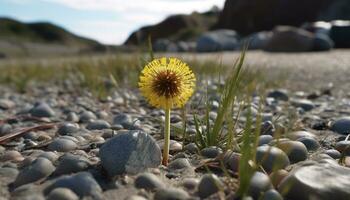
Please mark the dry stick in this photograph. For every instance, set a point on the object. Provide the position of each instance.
(25, 130)
(22, 117)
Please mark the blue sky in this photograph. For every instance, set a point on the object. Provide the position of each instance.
(108, 21)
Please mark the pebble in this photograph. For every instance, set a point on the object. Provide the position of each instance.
(341, 125)
(190, 184)
(39, 169)
(135, 197)
(305, 104)
(259, 184)
(6, 104)
(296, 151)
(12, 156)
(62, 145)
(335, 154)
(174, 146)
(171, 194)
(49, 155)
(326, 181)
(42, 110)
(343, 147)
(62, 194)
(271, 158)
(179, 164)
(98, 125)
(272, 194)
(130, 152)
(124, 120)
(68, 128)
(191, 148)
(69, 163)
(148, 181)
(208, 185)
(231, 160)
(280, 94)
(267, 128)
(299, 134)
(211, 152)
(278, 176)
(310, 143)
(87, 116)
(83, 184)
(72, 117)
(5, 129)
(264, 139)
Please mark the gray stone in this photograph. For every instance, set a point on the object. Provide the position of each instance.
(190, 183)
(83, 184)
(231, 160)
(258, 40)
(259, 184)
(5, 129)
(180, 163)
(72, 117)
(135, 197)
(49, 155)
(68, 128)
(211, 152)
(124, 120)
(174, 145)
(218, 40)
(39, 169)
(208, 185)
(272, 195)
(343, 147)
(11, 156)
(171, 194)
(98, 125)
(191, 147)
(290, 39)
(335, 154)
(62, 194)
(6, 104)
(70, 163)
(130, 152)
(42, 110)
(62, 145)
(271, 158)
(299, 134)
(148, 181)
(326, 181)
(322, 42)
(87, 116)
(296, 151)
(280, 94)
(310, 143)
(305, 104)
(341, 125)
(267, 128)
(265, 139)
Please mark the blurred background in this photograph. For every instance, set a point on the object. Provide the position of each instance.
(41, 28)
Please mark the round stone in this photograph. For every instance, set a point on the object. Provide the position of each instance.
(296, 151)
(280, 94)
(49, 155)
(191, 148)
(335, 154)
(326, 181)
(179, 164)
(83, 184)
(211, 152)
(124, 120)
(171, 194)
(310, 143)
(299, 134)
(272, 195)
(72, 117)
(62, 194)
(148, 181)
(70, 163)
(305, 104)
(5, 129)
(231, 160)
(259, 183)
(68, 128)
(343, 147)
(190, 184)
(267, 128)
(42, 110)
(271, 158)
(278, 176)
(130, 152)
(39, 169)
(174, 146)
(62, 145)
(208, 185)
(12, 156)
(87, 116)
(265, 139)
(98, 125)
(341, 125)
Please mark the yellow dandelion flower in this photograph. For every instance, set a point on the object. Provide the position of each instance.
(167, 83)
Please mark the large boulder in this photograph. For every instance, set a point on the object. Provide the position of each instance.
(219, 40)
(290, 39)
(340, 34)
(250, 16)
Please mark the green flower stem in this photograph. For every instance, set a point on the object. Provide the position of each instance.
(166, 137)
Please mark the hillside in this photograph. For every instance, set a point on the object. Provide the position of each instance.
(33, 39)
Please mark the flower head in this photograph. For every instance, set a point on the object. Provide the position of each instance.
(167, 83)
